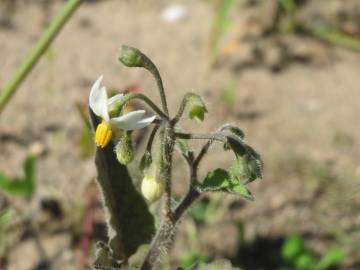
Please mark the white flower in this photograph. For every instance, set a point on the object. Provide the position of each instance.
(99, 104)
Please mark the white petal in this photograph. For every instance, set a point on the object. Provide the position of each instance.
(144, 122)
(114, 99)
(132, 120)
(98, 100)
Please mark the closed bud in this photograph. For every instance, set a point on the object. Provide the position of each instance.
(131, 57)
(152, 188)
(124, 149)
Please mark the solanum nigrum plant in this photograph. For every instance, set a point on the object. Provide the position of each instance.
(130, 223)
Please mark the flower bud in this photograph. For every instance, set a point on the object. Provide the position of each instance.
(124, 149)
(152, 188)
(131, 57)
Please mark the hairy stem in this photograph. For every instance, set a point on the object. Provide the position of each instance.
(181, 108)
(151, 138)
(168, 142)
(37, 51)
(165, 237)
(213, 136)
(149, 65)
(116, 107)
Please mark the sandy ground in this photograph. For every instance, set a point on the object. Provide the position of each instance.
(301, 119)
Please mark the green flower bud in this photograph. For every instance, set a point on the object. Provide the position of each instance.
(124, 149)
(131, 57)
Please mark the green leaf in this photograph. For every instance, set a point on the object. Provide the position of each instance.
(240, 171)
(333, 257)
(253, 164)
(24, 186)
(293, 247)
(240, 189)
(216, 180)
(234, 130)
(130, 223)
(305, 261)
(193, 257)
(199, 211)
(221, 180)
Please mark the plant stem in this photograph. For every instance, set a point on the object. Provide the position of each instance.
(155, 72)
(37, 51)
(165, 236)
(116, 107)
(181, 108)
(151, 138)
(189, 136)
(168, 142)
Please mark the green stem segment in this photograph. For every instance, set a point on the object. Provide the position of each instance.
(116, 107)
(37, 51)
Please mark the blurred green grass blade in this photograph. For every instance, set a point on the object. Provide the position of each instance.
(333, 257)
(29, 170)
(333, 36)
(6, 217)
(220, 25)
(289, 6)
(86, 139)
(24, 186)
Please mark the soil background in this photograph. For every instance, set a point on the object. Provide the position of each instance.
(298, 104)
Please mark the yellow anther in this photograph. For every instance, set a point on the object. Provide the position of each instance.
(103, 134)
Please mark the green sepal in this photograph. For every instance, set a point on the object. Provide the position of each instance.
(196, 107)
(124, 149)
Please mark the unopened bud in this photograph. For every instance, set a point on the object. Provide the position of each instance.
(131, 57)
(152, 188)
(124, 149)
